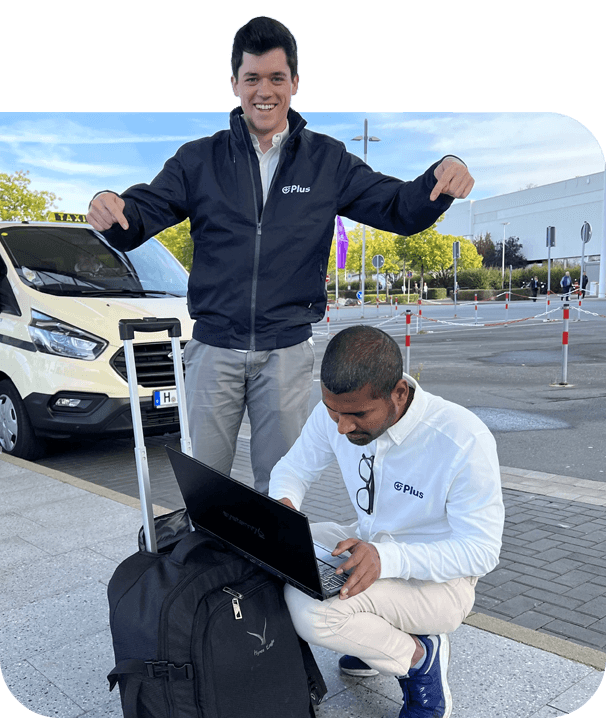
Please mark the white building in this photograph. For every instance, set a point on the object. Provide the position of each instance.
(527, 214)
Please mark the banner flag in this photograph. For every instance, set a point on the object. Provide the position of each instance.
(342, 244)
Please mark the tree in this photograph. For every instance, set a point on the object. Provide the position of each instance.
(486, 249)
(514, 256)
(431, 252)
(19, 203)
(377, 242)
(179, 243)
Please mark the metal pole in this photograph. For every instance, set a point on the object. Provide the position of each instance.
(337, 280)
(475, 299)
(503, 259)
(455, 286)
(408, 318)
(581, 278)
(364, 226)
(565, 344)
(420, 318)
(548, 276)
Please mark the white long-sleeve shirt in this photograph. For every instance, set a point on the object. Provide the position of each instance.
(438, 510)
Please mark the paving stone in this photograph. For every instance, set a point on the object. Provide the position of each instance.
(596, 607)
(485, 603)
(561, 565)
(565, 614)
(587, 592)
(499, 576)
(574, 578)
(537, 572)
(545, 544)
(515, 606)
(532, 619)
(546, 585)
(589, 637)
(506, 591)
(520, 558)
(553, 598)
(534, 535)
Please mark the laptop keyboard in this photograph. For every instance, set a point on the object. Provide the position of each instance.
(330, 580)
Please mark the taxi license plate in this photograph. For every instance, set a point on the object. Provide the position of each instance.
(165, 397)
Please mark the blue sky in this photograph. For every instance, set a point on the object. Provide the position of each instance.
(77, 154)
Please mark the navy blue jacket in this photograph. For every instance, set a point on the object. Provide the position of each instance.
(258, 272)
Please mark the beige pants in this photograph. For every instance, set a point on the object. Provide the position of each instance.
(377, 624)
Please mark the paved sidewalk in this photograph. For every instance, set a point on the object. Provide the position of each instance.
(62, 538)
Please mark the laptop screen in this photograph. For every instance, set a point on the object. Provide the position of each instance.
(262, 528)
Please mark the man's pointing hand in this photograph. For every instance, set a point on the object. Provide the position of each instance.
(105, 210)
(453, 179)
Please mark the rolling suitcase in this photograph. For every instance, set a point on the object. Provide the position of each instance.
(199, 631)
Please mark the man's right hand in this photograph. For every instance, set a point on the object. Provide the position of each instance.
(105, 210)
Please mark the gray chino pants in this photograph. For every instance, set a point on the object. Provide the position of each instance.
(274, 386)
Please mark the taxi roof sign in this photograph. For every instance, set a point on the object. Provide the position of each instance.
(67, 217)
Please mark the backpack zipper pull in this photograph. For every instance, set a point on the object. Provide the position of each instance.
(235, 602)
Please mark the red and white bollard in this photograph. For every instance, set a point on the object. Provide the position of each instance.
(408, 318)
(420, 317)
(506, 305)
(327, 319)
(475, 299)
(565, 344)
(396, 305)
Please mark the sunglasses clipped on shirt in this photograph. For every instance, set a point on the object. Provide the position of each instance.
(366, 502)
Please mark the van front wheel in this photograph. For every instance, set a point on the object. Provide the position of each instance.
(17, 437)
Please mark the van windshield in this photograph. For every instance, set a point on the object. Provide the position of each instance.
(79, 261)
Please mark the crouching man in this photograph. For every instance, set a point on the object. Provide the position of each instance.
(423, 475)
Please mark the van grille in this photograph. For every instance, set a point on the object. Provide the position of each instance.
(153, 363)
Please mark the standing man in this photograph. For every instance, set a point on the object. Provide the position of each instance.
(584, 283)
(534, 286)
(262, 198)
(566, 284)
(423, 475)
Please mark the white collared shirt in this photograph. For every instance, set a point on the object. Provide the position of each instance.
(438, 510)
(268, 161)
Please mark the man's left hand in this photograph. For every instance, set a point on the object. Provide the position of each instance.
(364, 564)
(453, 179)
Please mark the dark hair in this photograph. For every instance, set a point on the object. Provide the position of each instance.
(260, 35)
(362, 355)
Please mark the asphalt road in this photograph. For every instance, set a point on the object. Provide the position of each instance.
(510, 375)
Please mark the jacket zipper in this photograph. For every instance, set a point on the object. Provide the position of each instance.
(256, 260)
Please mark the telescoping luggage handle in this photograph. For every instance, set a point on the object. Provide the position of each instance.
(127, 329)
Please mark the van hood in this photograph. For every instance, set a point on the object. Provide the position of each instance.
(101, 316)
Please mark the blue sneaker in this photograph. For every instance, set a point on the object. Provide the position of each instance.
(425, 691)
(352, 666)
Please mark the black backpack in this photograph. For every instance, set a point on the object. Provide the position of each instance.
(201, 632)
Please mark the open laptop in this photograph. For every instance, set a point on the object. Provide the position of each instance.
(260, 528)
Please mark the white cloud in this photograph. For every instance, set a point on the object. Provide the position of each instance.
(62, 131)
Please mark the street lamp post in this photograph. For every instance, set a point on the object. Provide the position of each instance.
(503, 261)
(366, 139)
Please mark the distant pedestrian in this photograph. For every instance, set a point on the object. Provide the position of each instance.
(566, 284)
(425, 290)
(534, 286)
(584, 283)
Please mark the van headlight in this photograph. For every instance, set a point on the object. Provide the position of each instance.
(54, 336)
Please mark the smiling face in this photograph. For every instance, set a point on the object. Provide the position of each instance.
(265, 86)
(363, 418)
